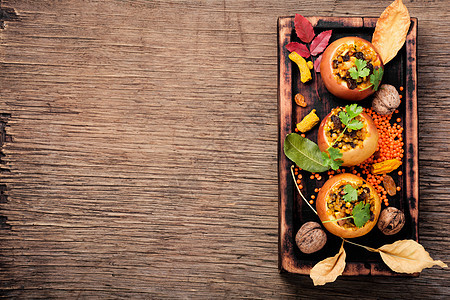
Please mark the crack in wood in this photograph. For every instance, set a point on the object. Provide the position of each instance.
(7, 14)
(4, 137)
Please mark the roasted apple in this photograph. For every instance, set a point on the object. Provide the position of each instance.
(355, 145)
(347, 65)
(336, 208)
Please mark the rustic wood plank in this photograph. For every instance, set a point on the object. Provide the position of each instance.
(143, 152)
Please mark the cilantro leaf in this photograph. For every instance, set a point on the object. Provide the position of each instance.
(376, 77)
(361, 214)
(332, 158)
(359, 70)
(351, 194)
(355, 125)
(360, 64)
(345, 118)
(353, 110)
(364, 72)
(353, 73)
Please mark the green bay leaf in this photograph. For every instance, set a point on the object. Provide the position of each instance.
(305, 153)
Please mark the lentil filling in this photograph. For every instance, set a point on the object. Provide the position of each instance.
(338, 208)
(350, 139)
(345, 59)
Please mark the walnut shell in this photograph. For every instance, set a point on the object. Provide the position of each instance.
(386, 100)
(311, 237)
(391, 220)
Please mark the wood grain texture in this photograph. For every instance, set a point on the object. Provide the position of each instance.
(143, 160)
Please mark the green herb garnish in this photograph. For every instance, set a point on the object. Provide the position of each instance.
(360, 215)
(375, 79)
(360, 70)
(351, 194)
(348, 117)
(332, 158)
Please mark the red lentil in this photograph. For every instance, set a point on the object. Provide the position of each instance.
(390, 146)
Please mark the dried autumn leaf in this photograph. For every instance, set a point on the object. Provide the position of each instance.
(317, 63)
(329, 269)
(391, 30)
(303, 28)
(319, 44)
(407, 256)
(299, 48)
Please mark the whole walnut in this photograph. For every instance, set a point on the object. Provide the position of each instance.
(386, 100)
(391, 220)
(311, 237)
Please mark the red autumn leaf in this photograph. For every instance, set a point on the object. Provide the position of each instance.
(317, 63)
(299, 48)
(320, 42)
(303, 28)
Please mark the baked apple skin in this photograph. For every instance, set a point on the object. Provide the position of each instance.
(334, 227)
(341, 89)
(356, 155)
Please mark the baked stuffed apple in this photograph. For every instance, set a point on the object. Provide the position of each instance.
(355, 145)
(348, 206)
(347, 67)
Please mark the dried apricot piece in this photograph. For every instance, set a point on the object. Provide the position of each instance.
(300, 100)
(389, 185)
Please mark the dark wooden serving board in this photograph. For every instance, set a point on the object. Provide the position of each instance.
(401, 71)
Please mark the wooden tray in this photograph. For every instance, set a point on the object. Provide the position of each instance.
(401, 71)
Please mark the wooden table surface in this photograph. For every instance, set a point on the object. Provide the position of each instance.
(139, 154)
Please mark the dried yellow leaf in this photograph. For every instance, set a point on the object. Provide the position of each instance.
(407, 256)
(329, 269)
(391, 30)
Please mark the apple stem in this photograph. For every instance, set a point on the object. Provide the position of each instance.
(315, 78)
(295, 182)
(339, 137)
(344, 218)
(365, 247)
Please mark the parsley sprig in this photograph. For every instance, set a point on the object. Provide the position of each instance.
(351, 194)
(360, 213)
(376, 77)
(360, 70)
(332, 155)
